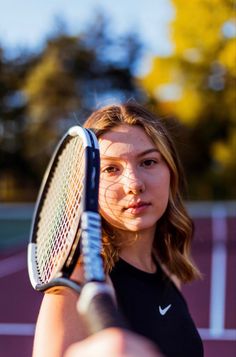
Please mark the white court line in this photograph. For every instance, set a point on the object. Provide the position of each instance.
(17, 329)
(24, 329)
(12, 264)
(224, 335)
(218, 270)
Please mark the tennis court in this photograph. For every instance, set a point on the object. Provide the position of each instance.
(211, 301)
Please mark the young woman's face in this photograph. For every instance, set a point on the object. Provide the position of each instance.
(135, 179)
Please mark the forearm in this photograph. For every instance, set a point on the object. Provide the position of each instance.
(58, 325)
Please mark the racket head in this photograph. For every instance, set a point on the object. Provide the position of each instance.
(69, 189)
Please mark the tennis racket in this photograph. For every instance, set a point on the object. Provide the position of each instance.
(66, 225)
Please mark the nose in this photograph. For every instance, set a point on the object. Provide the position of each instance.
(132, 182)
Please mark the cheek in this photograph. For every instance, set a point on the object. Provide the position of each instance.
(166, 183)
(109, 207)
(166, 187)
(102, 198)
(161, 181)
(108, 195)
(161, 187)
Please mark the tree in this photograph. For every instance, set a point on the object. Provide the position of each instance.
(14, 167)
(57, 88)
(197, 85)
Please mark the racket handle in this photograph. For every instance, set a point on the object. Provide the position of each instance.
(96, 305)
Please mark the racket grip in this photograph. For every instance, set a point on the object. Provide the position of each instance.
(97, 306)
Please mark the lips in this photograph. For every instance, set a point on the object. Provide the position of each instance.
(137, 204)
(137, 207)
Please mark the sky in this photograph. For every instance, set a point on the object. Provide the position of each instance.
(25, 23)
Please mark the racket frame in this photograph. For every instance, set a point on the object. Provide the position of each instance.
(88, 226)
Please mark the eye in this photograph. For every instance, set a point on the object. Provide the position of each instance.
(148, 162)
(109, 169)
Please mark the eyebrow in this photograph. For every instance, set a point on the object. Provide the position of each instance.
(143, 153)
(148, 151)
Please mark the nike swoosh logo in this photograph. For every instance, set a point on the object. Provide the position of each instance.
(164, 311)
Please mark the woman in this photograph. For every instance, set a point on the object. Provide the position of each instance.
(146, 237)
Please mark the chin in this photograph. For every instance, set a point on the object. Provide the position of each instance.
(140, 226)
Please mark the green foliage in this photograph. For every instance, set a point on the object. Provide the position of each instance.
(42, 95)
(197, 85)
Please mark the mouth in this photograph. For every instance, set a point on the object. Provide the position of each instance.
(137, 207)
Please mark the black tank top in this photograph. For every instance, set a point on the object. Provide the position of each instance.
(155, 308)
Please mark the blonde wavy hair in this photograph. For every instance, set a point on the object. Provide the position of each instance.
(174, 230)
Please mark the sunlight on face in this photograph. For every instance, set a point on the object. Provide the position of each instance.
(134, 181)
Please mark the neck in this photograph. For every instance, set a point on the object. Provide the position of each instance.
(139, 253)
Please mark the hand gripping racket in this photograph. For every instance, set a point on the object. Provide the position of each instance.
(66, 225)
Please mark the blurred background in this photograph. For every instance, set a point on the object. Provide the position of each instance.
(60, 60)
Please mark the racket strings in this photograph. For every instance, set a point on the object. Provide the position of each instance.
(60, 245)
(61, 210)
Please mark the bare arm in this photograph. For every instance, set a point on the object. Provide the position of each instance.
(58, 324)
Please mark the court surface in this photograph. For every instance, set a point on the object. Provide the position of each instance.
(212, 301)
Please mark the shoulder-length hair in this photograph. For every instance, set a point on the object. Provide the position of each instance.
(174, 230)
